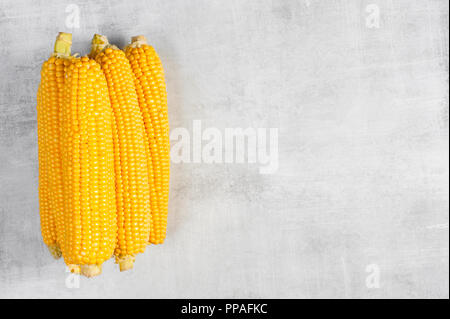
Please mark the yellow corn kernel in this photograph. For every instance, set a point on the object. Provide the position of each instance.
(130, 157)
(152, 97)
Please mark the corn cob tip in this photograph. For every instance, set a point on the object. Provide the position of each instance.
(91, 270)
(139, 39)
(100, 39)
(74, 269)
(99, 42)
(55, 251)
(63, 44)
(126, 263)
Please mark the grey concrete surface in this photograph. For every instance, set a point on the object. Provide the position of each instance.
(358, 207)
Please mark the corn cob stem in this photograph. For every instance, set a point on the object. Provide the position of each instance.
(99, 42)
(63, 45)
(138, 40)
(91, 270)
(126, 263)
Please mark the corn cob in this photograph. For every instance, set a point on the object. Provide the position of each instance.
(152, 97)
(49, 97)
(130, 156)
(89, 225)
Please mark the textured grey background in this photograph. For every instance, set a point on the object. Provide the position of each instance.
(363, 146)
